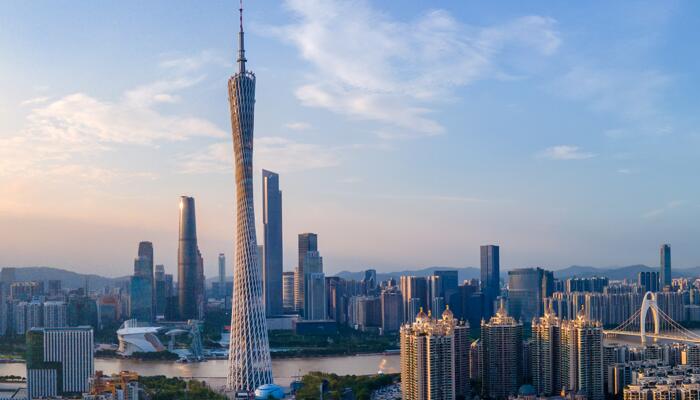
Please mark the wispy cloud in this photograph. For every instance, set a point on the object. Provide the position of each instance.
(631, 94)
(565, 152)
(297, 126)
(273, 153)
(64, 135)
(671, 205)
(372, 67)
(35, 100)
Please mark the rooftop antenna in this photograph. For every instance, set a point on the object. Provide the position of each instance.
(241, 49)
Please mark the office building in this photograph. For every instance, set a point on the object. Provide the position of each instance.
(250, 365)
(582, 356)
(527, 288)
(161, 292)
(546, 360)
(313, 264)
(648, 281)
(316, 304)
(434, 358)
(60, 361)
(222, 276)
(54, 288)
(501, 355)
(490, 277)
(414, 290)
(24, 291)
(188, 262)
(392, 310)
(369, 280)
(272, 231)
(665, 266)
(308, 242)
(288, 291)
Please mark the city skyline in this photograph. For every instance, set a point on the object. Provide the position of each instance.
(546, 187)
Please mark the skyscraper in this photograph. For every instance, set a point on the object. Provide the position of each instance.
(249, 354)
(222, 276)
(648, 281)
(307, 242)
(392, 310)
(272, 225)
(141, 294)
(665, 270)
(501, 355)
(59, 361)
(490, 277)
(313, 265)
(160, 290)
(415, 295)
(187, 262)
(316, 304)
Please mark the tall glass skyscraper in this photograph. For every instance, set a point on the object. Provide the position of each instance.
(249, 354)
(308, 242)
(272, 259)
(188, 261)
(665, 272)
(490, 277)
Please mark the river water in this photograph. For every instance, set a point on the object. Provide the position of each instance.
(214, 371)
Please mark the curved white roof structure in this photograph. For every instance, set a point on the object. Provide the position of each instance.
(140, 339)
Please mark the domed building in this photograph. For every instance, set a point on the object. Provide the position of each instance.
(268, 391)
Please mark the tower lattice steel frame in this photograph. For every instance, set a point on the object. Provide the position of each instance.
(249, 356)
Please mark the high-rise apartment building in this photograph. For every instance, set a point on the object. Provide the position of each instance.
(60, 361)
(582, 356)
(546, 359)
(272, 226)
(490, 277)
(288, 291)
(55, 314)
(434, 357)
(308, 242)
(665, 266)
(250, 365)
(501, 355)
(188, 262)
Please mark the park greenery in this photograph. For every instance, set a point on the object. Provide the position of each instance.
(163, 388)
(361, 386)
(346, 341)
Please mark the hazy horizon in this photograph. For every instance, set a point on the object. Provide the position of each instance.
(567, 134)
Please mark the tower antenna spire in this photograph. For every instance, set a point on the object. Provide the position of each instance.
(241, 48)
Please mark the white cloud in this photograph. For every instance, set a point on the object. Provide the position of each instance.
(372, 67)
(273, 153)
(625, 171)
(565, 152)
(298, 126)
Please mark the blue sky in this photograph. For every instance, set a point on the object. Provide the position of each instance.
(406, 133)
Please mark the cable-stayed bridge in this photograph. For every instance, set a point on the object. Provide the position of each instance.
(651, 322)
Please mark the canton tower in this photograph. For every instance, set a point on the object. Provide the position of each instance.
(249, 353)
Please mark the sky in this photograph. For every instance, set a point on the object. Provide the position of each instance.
(406, 134)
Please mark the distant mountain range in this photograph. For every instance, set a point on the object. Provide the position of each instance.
(69, 279)
(74, 280)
